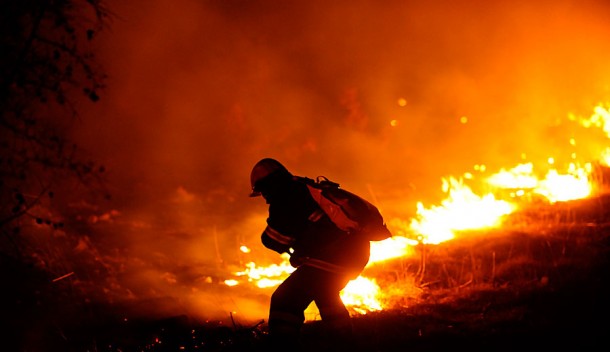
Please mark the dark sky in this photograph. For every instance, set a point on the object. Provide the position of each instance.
(198, 91)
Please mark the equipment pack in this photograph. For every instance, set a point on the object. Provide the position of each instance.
(349, 212)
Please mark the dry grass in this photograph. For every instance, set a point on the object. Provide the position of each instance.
(542, 282)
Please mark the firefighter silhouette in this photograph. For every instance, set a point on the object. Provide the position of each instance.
(325, 257)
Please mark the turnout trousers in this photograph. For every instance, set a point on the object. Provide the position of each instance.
(289, 301)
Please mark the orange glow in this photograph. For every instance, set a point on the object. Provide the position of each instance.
(462, 210)
(361, 295)
(574, 185)
(520, 176)
(269, 276)
(393, 247)
(456, 119)
(600, 118)
(555, 187)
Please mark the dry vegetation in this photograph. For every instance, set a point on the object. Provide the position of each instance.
(541, 282)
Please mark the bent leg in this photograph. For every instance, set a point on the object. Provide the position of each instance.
(334, 314)
(288, 303)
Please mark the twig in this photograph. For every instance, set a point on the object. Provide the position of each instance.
(63, 276)
(422, 264)
(429, 283)
(466, 283)
(493, 268)
(473, 265)
(233, 321)
(217, 247)
(450, 281)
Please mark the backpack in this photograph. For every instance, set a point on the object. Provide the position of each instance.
(348, 211)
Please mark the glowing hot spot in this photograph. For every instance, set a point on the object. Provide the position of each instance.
(361, 295)
(461, 210)
(268, 276)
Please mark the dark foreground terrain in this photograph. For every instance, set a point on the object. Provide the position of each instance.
(541, 283)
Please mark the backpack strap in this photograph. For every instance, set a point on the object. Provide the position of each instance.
(325, 182)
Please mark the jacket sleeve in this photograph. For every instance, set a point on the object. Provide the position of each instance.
(276, 241)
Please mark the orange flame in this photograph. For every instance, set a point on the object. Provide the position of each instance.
(361, 295)
(269, 276)
(461, 210)
(555, 187)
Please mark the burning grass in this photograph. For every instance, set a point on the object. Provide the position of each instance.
(540, 281)
(507, 260)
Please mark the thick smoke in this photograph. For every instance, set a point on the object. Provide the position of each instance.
(201, 90)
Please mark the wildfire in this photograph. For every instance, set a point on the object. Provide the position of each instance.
(461, 210)
(269, 276)
(393, 247)
(555, 187)
(599, 119)
(362, 294)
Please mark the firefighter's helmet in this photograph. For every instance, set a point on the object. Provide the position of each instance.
(261, 170)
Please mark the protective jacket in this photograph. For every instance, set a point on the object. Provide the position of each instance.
(296, 225)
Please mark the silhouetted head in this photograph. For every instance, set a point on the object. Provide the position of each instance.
(266, 174)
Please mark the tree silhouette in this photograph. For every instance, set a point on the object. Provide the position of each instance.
(46, 66)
